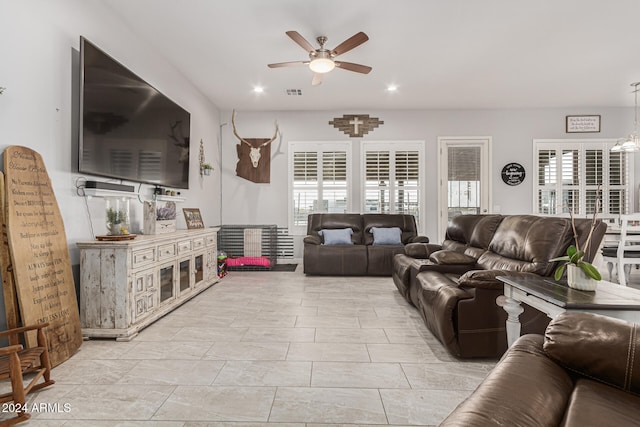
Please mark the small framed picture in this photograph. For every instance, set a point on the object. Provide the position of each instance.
(193, 218)
(583, 124)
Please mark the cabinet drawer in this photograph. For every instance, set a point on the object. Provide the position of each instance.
(211, 240)
(143, 257)
(166, 251)
(198, 243)
(184, 246)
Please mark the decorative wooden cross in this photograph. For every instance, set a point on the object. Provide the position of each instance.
(356, 125)
(356, 122)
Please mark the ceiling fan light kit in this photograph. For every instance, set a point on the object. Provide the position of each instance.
(632, 143)
(322, 65)
(321, 60)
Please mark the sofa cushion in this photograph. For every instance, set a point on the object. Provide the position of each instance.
(380, 259)
(527, 243)
(451, 257)
(340, 236)
(595, 404)
(386, 235)
(598, 347)
(335, 260)
(474, 230)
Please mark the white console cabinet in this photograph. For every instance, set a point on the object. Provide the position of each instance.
(127, 285)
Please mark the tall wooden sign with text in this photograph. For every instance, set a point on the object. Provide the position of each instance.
(39, 253)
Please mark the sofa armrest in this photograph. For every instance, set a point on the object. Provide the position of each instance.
(525, 388)
(487, 279)
(418, 239)
(417, 250)
(312, 240)
(598, 347)
(451, 257)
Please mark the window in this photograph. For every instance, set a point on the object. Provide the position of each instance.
(393, 177)
(319, 177)
(570, 172)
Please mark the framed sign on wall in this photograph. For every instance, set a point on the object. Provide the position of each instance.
(583, 124)
(513, 174)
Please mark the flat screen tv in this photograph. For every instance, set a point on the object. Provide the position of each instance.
(128, 129)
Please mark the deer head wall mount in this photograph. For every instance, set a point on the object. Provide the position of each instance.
(255, 154)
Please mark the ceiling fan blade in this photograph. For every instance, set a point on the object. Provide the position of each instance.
(350, 43)
(358, 68)
(296, 37)
(287, 64)
(317, 79)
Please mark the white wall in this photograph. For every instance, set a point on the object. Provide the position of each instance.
(512, 132)
(39, 40)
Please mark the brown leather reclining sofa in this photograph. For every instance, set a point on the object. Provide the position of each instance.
(454, 285)
(583, 372)
(359, 254)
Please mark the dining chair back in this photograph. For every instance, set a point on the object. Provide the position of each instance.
(609, 247)
(629, 246)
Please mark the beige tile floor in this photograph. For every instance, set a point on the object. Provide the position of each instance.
(264, 348)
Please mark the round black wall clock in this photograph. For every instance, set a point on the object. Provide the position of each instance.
(513, 174)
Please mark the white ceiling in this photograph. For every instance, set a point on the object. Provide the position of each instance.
(442, 54)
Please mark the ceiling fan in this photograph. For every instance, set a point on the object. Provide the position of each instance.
(321, 60)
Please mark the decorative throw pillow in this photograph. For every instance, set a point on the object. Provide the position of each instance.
(339, 236)
(387, 236)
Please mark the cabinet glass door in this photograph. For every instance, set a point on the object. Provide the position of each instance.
(185, 275)
(199, 267)
(166, 283)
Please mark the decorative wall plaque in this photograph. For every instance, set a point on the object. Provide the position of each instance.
(356, 125)
(583, 124)
(513, 174)
(39, 253)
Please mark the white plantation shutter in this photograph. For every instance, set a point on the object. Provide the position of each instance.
(319, 178)
(305, 185)
(392, 177)
(377, 182)
(570, 172)
(407, 176)
(334, 181)
(619, 188)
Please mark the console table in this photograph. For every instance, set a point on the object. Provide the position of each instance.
(127, 285)
(553, 298)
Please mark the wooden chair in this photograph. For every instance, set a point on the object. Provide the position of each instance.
(15, 361)
(629, 247)
(609, 247)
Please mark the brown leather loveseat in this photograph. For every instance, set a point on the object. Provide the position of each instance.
(454, 285)
(584, 371)
(355, 244)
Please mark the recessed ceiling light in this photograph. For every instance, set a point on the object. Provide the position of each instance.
(392, 88)
(258, 89)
